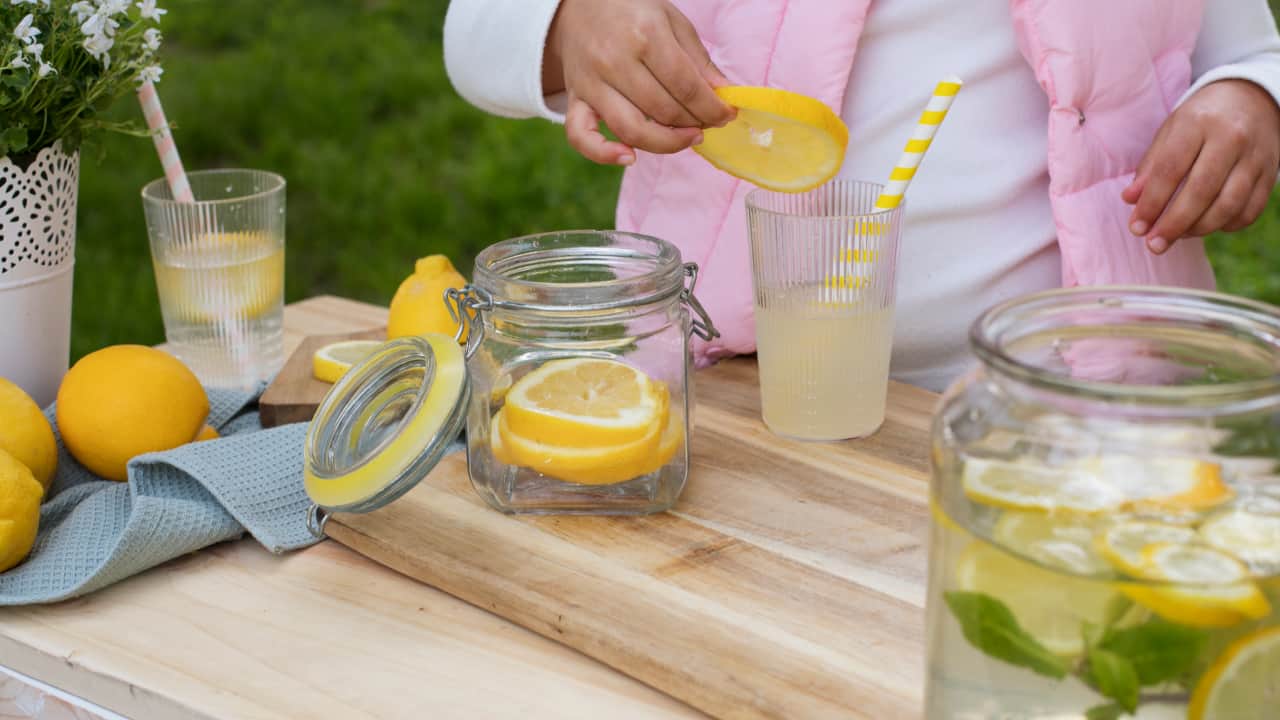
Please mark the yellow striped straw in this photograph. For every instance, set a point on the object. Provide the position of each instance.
(943, 95)
(846, 278)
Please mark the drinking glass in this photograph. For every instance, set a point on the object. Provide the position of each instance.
(824, 268)
(219, 268)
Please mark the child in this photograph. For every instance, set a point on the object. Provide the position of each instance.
(1094, 141)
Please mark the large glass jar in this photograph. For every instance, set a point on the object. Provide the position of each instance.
(579, 363)
(1106, 500)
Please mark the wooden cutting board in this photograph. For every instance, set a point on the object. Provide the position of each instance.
(788, 582)
(294, 393)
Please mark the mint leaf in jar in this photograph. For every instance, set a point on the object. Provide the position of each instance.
(1115, 677)
(1110, 711)
(1159, 651)
(990, 626)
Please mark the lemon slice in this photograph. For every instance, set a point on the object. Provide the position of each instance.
(1169, 484)
(1123, 544)
(1253, 538)
(1061, 542)
(1243, 683)
(585, 403)
(1029, 485)
(495, 440)
(780, 140)
(566, 461)
(671, 441)
(1209, 589)
(1052, 606)
(333, 361)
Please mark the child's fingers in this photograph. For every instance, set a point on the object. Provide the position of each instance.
(708, 106)
(582, 128)
(648, 92)
(1162, 170)
(683, 84)
(1198, 192)
(1258, 200)
(1229, 204)
(630, 125)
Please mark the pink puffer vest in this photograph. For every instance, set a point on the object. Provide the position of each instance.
(1112, 72)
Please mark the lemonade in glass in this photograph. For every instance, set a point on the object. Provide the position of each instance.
(1106, 513)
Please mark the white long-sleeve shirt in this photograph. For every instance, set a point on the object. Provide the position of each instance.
(976, 235)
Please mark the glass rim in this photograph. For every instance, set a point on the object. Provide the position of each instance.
(149, 192)
(1248, 317)
(667, 274)
(753, 202)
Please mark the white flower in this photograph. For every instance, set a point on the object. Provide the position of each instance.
(99, 23)
(19, 62)
(46, 69)
(28, 2)
(113, 7)
(150, 11)
(35, 49)
(150, 74)
(82, 10)
(98, 46)
(25, 32)
(151, 39)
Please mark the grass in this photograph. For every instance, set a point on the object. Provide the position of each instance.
(349, 101)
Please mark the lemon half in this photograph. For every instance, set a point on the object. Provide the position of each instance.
(333, 361)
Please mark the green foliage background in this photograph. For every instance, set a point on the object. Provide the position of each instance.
(348, 99)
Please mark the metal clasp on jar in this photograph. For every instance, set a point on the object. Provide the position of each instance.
(465, 306)
(702, 325)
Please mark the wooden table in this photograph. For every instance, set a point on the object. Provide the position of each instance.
(235, 632)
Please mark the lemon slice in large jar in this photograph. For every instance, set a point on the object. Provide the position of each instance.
(1251, 537)
(780, 140)
(1243, 683)
(1031, 485)
(1199, 586)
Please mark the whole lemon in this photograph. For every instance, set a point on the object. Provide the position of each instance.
(20, 497)
(26, 434)
(126, 400)
(418, 306)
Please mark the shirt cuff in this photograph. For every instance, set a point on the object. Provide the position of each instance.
(1264, 73)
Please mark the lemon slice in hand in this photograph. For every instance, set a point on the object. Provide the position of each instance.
(585, 403)
(1243, 682)
(780, 140)
(333, 361)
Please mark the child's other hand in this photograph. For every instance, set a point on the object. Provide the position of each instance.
(639, 66)
(1211, 167)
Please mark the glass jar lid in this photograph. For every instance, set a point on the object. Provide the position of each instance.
(384, 425)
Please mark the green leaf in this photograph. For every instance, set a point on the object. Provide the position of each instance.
(1115, 677)
(1111, 711)
(1093, 633)
(1117, 608)
(1159, 651)
(14, 139)
(990, 626)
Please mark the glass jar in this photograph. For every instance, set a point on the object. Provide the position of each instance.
(1106, 503)
(557, 315)
(575, 392)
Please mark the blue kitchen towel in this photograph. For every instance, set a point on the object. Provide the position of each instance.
(95, 532)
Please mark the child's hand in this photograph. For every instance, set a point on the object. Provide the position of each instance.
(1222, 146)
(639, 66)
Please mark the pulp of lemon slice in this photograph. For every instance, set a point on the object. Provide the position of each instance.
(1203, 587)
(585, 403)
(333, 361)
(779, 140)
(1063, 542)
(1243, 683)
(1049, 605)
(1030, 485)
(1123, 543)
(1253, 538)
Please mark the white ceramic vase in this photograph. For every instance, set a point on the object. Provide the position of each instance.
(37, 254)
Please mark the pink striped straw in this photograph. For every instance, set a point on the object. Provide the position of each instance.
(165, 147)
